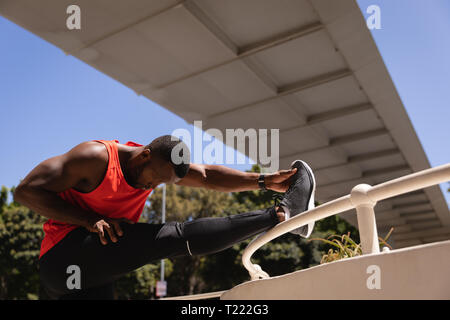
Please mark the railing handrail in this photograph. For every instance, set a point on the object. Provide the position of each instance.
(363, 197)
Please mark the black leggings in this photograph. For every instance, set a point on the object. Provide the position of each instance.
(99, 265)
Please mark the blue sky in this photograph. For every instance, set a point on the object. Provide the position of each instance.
(415, 45)
(50, 102)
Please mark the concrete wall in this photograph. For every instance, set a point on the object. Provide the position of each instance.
(420, 272)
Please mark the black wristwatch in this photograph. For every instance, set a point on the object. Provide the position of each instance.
(261, 182)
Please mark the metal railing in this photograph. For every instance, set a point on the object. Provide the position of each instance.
(363, 198)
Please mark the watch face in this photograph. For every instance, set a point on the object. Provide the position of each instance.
(261, 182)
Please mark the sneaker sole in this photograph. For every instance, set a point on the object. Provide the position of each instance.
(311, 204)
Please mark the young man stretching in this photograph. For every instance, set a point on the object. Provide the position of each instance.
(94, 194)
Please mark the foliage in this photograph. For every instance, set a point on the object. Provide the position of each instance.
(345, 247)
(20, 237)
(141, 283)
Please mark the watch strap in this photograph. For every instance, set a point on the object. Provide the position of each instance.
(262, 182)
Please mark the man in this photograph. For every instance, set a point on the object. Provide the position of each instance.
(94, 194)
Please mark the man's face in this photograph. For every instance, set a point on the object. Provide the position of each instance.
(153, 171)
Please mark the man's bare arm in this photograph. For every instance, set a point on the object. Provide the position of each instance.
(38, 191)
(225, 179)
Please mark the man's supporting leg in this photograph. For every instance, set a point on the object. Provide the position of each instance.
(141, 244)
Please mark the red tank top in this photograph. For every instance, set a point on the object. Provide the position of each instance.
(113, 198)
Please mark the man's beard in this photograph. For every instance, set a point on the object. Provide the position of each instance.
(132, 177)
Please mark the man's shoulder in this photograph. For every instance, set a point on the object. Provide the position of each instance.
(89, 151)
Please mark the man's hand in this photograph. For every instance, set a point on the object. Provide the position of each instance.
(111, 226)
(279, 181)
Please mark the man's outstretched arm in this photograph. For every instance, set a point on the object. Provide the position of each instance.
(225, 179)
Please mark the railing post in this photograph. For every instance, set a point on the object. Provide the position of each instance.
(367, 224)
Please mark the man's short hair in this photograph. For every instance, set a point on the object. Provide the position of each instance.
(173, 150)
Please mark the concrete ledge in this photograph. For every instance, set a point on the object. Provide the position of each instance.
(419, 272)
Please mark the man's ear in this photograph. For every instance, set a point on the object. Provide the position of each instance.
(146, 154)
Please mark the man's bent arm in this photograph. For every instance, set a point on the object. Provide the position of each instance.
(38, 191)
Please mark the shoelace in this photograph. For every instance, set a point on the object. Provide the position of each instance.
(279, 197)
(276, 197)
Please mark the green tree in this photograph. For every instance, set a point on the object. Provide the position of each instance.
(20, 237)
(141, 283)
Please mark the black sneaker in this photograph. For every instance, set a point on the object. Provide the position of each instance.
(300, 196)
